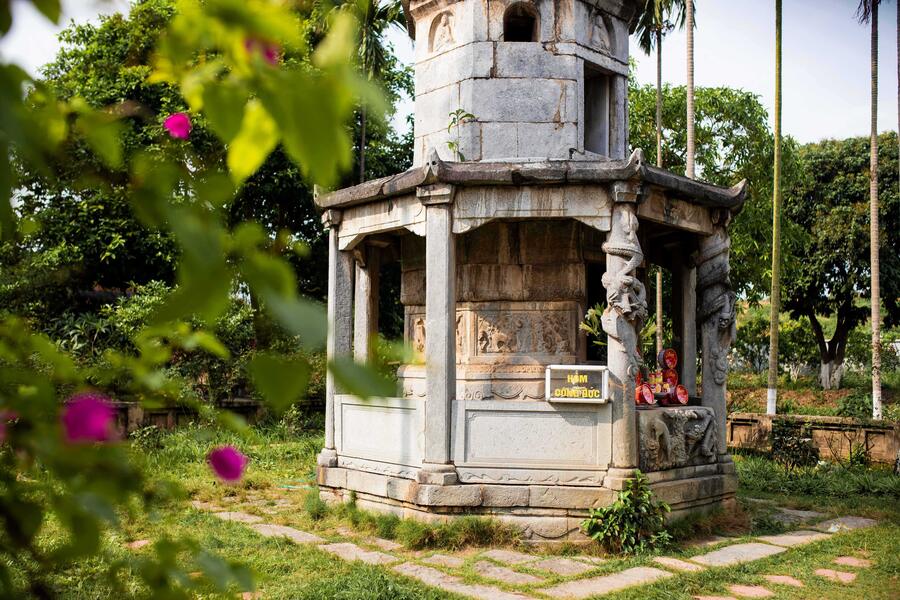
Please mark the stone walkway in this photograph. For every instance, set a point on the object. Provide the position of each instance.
(512, 575)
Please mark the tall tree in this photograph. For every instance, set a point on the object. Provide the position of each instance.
(868, 13)
(689, 159)
(775, 296)
(655, 21)
(375, 18)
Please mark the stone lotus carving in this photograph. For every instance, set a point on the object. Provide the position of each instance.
(676, 437)
(626, 296)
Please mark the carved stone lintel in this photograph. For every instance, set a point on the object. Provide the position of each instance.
(331, 217)
(626, 191)
(438, 193)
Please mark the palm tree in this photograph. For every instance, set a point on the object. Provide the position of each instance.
(690, 150)
(652, 25)
(775, 297)
(867, 12)
(375, 18)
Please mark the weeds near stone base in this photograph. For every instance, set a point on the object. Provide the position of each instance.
(764, 475)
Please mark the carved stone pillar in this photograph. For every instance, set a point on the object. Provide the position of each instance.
(717, 319)
(340, 324)
(622, 320)
(365, 318)
(687, 278)
(440, 333)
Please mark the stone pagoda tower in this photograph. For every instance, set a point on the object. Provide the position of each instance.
(544, 80)
(511, 223)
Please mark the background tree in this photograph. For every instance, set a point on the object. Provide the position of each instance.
(867, 12)
(826, 212)
(375, 17)
(775, 296)
(654, 22)
(734, 142)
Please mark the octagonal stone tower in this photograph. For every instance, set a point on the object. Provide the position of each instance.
(545, 79)
(504, 231)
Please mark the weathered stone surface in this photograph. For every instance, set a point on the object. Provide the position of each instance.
(239, 517)
(567, 497)
(801, 515)
(524, 100)
(449, 495)
(794, 538)
(852, 561)
(739, 553)
(839, 576)
(489, 570)
(441, 580)
(389, 545)
(509, 556)
(444, 560)
(594, 560)
(845, 524)
(783, 580)
(335, 477)
(711, 540)
(677, 564)
(533, 60)
(675, 437)
(462, 62)
(750, 591)
(583, 588)
(295, 535)
(348, 551)
(504, 495)
(562, 566)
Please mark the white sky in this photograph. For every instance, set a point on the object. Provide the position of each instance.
(825, 57)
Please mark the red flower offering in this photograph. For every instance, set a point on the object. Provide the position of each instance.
(178, 126)
(88, 417)
(227, 463)
(670, 376)
(681, 395)
(643, 394)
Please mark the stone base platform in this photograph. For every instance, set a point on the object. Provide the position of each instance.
(544, 513)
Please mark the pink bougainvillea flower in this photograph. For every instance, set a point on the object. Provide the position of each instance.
(227, 463)
(269, 51)
(88, 417)
(178, 125)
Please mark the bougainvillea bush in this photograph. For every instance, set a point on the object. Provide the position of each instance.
(247, 74)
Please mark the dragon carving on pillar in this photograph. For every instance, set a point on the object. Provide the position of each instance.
(717, 300)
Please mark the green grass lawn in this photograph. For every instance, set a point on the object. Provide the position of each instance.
(280, 484)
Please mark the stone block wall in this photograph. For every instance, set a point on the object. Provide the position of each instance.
(528, 97)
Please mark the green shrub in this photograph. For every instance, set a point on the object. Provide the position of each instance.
(792, 444)
(314, 506)
(633, 523)
(148, 438)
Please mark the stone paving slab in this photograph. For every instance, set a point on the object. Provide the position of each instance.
(137, 544)
(238, 517)
(351, 552)
(594, 560)
(200, 505)
(714, 598)
(489, 570)
(677, 564)
(802, 514)
(562, 566)
(389, 545)
(584, 588)
(509, 556)
(839, 576)
(739, 553)
(449, 583)
(750, 591)
(783, 580)
(794, 538)
(295, 535)
(711, 540)
(444, 560)
(845, 524)
(852, 561)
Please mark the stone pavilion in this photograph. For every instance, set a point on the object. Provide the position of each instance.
(507, 228)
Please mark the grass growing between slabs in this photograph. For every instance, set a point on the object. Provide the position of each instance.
(279, 485)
